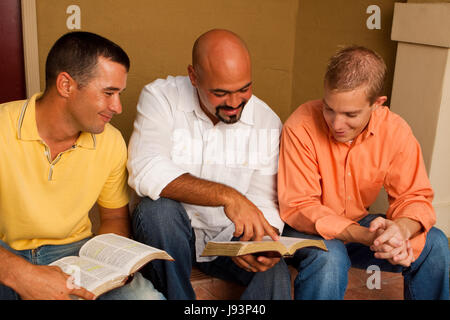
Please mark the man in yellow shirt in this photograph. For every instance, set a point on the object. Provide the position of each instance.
(59, 155)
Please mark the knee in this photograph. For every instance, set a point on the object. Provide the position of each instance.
(335, 261)
(439, 246)
(159, 216)
(155, 212)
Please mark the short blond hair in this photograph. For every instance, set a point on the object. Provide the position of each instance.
(355, 67)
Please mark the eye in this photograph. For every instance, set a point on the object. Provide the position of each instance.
(220, 94)
(352, 115)
(109, 94)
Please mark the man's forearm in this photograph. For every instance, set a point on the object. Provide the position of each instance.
(410, 228)
(114, 221)
(10, 264)
(189, 189)
(358, 234)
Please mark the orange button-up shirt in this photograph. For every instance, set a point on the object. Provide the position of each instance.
(324, 185)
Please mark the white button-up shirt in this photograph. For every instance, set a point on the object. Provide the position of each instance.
(172, 136)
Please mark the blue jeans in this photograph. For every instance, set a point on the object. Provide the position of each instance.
(165, 224)
(138, 289)
(323, 275)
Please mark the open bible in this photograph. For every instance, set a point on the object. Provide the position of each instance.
(106, 261)
(286, 246)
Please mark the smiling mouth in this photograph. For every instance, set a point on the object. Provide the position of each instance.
(106, 118)
(231, 112)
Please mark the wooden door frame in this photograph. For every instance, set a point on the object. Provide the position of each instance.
(30, 47)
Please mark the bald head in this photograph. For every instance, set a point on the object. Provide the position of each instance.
(220, 51)
(221, 74)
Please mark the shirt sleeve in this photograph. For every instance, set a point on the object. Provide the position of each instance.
(409, 189)
(114, 193)
(149, 163)
(262, 191)
(300, 190)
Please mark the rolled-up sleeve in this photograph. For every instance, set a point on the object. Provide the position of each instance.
(149, 162)
(409, 189)
(300, 190)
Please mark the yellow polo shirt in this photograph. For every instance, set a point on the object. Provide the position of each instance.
(47, 202)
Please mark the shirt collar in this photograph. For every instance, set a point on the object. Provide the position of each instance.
(27, 127)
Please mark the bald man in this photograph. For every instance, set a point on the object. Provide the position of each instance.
(203, 156)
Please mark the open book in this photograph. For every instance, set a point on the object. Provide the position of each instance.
(286, 246)
(106, 261)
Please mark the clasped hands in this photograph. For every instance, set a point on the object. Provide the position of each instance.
(391, 242)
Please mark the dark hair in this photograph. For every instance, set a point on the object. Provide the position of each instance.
(77, 54)
(355, 67)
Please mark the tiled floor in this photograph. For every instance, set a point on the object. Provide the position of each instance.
(391, 287)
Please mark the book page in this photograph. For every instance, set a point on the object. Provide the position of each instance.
(117, 251)
(87, 273)
(285, 246)
(289, 241)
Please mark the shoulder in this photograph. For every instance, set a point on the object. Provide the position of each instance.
(307, 119)
(110, 139)
(264, 115)
(12, 108)
(9, 115)
(389, 123)
(166, 95)
(169, 86)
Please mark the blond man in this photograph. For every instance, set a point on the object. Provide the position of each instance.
(336, 154)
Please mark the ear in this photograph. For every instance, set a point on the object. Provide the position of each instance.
(192, 76)
(379, 102)
(65, 84)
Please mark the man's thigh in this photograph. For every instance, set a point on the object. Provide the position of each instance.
(336, 251)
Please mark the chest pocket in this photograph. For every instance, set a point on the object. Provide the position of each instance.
(369, 188)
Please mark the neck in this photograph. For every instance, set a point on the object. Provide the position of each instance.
(212, 117)
(52, 122)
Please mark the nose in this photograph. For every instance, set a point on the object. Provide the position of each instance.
(234, 100)
(337, 123)
(116, 106)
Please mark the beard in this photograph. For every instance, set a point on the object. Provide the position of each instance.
(233, 118)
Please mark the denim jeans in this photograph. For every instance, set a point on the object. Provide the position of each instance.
(138, 289)
(165, 224)
(323, 275)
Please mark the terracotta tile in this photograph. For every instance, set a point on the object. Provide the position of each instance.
(209, 288)
(390, 289)
(203, 294)
(355, 278)
(224, 290)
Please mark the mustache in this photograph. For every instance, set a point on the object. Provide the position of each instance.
(227, 107)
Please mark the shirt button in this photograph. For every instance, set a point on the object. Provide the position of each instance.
(349, 174)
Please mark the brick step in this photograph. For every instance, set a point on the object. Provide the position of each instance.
(391, 288)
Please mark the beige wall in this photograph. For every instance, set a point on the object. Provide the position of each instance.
(323, 27)
(158, 36)
(290, 40)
